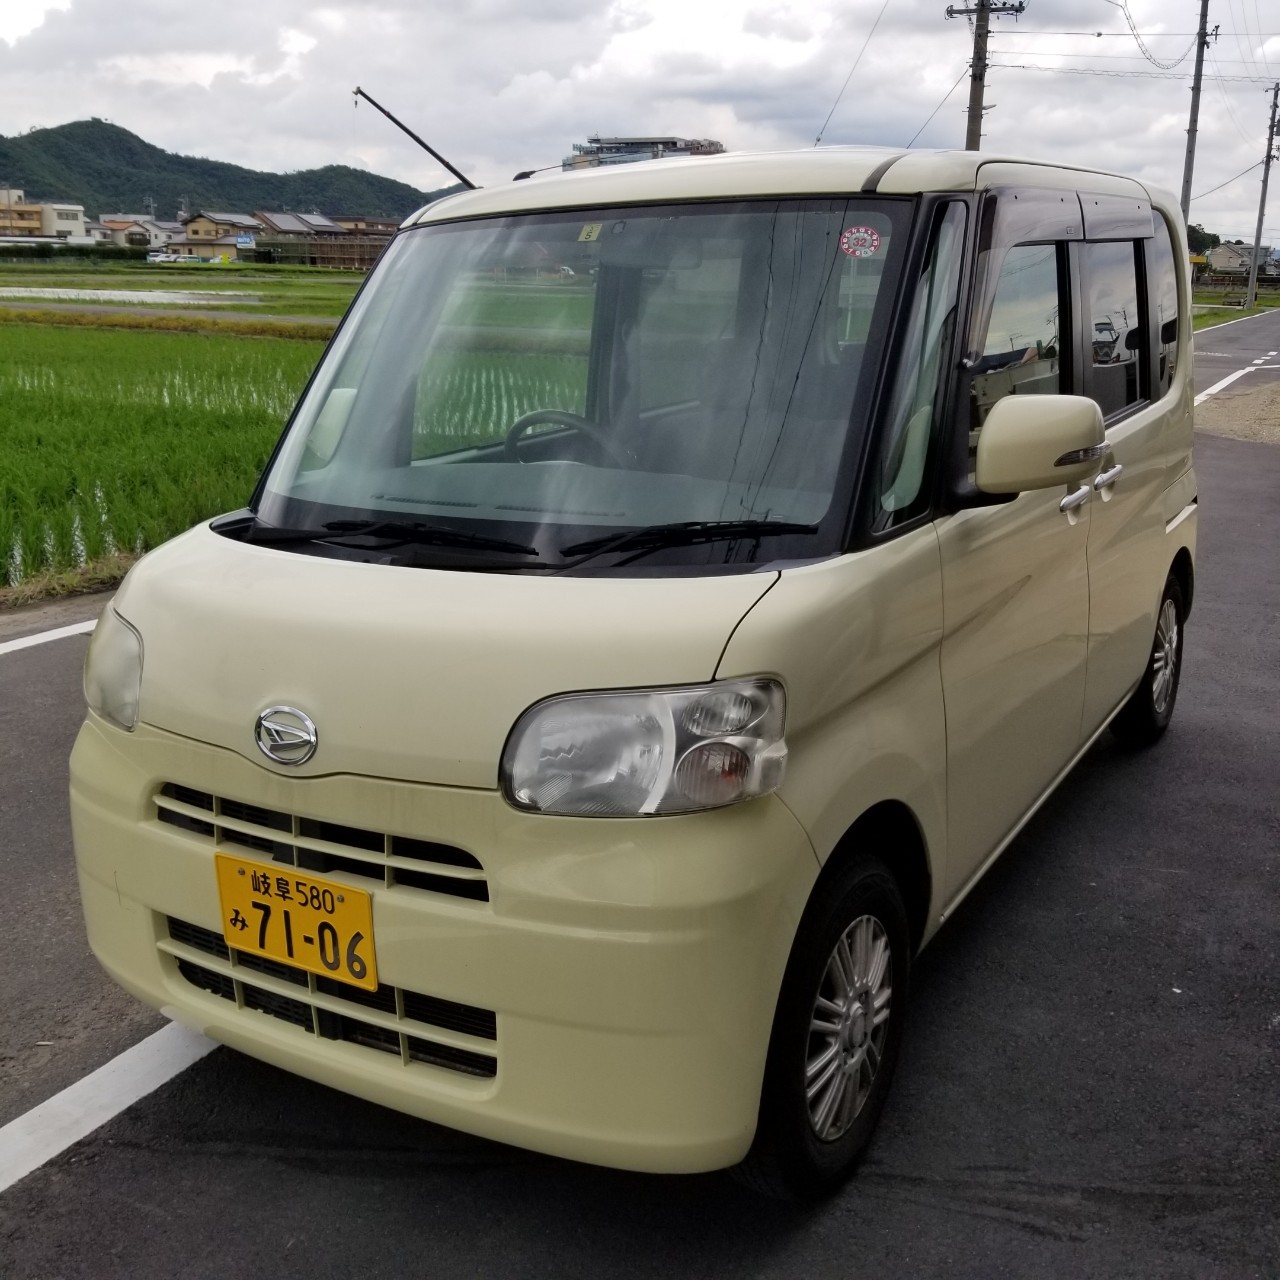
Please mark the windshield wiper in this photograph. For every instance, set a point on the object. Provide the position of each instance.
(681, 534)
(396, 530)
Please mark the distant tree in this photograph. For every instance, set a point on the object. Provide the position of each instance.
(1200, 240)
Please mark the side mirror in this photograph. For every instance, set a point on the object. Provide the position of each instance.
(1037, 442)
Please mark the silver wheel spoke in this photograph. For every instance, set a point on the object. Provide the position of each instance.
(820, 1069)
(848, 1027)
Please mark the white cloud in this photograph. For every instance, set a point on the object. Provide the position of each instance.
(19, 18)
(504, 85)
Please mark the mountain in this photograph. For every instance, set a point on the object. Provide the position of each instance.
(108, 169)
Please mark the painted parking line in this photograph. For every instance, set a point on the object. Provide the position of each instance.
(48, 1130)
(1226, 382)
(43, 637)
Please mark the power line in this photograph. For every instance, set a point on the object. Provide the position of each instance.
(852, 69)
(1144, 75)
(938, 108)
(1229, 181)
(1226, 102)
(1123, 6)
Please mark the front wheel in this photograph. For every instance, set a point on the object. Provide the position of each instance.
(1150, 707)
(836, 1036)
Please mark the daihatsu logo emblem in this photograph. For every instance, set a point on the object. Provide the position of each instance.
(286, 735)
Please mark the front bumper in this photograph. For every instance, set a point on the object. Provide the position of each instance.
(629, 967)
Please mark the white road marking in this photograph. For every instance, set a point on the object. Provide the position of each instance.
(48, 1130)
(1273, 353)
(1226, 382)
(41, 637)
(1262, 361)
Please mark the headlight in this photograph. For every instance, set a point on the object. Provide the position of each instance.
(657, 751)
(113, 670)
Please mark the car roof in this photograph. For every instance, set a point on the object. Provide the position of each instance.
(812, 172)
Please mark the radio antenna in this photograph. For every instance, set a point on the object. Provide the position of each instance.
(359, 93)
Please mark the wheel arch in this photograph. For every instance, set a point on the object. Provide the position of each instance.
(891, 831)
(1183, 569)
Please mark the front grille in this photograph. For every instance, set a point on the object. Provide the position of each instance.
(404, 1024)
(313, 845)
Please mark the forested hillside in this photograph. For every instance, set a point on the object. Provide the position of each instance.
(108, 169)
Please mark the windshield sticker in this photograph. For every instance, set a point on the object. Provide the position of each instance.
(860, 242)
(590, 231)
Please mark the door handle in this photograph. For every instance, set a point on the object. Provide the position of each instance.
(1109, 476)
(1076, 499)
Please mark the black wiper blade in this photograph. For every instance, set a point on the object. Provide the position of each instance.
(684, 533)
(396, 530)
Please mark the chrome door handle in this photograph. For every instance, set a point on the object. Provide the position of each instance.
(1109, 476)
(1076, 499)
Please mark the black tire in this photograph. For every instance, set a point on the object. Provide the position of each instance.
(1146, 715)
(790, 1159)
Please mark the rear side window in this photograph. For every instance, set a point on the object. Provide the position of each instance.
(1162, 271)
(1021, 354)
(1117, 325)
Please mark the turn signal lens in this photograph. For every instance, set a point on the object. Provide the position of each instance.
(630, 754)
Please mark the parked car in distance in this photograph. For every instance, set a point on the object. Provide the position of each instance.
(609, 691)
(161, 256)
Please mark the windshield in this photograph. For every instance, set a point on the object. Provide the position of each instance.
(556, 378)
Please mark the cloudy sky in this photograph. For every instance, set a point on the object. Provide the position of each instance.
(502, 85)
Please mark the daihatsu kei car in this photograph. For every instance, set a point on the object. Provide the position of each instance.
(676, 586)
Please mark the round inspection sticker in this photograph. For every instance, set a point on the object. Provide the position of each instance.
(859, 242)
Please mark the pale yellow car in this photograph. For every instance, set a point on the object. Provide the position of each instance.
(676, 586)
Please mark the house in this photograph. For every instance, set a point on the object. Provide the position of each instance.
(298, 224)
(600, 151)
(66, 221)
(18, 215)
(127, 232)
(128, 227)
(366, 224)
(208, 225)
(1236, 259)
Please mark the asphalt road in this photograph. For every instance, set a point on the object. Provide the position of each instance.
(1090, 1082)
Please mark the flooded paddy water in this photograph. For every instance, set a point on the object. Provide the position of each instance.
(168, 297)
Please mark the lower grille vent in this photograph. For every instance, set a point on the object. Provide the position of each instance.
(404, 1018)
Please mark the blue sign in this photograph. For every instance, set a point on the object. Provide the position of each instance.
(244, 242)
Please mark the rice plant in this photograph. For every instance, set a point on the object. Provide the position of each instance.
(117, 440)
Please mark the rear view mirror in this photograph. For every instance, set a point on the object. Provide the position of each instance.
(1037, 442)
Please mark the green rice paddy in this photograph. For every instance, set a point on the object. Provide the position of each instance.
(111, 441)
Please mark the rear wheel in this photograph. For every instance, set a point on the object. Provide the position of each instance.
(1150, 707)
(835, 1039)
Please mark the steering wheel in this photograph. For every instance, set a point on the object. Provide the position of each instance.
(566, 419)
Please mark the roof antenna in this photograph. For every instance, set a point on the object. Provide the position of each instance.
(359, 93)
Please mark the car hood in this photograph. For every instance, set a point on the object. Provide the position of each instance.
(407, 673)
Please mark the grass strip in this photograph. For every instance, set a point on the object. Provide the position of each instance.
(309, 331)
(52, 584)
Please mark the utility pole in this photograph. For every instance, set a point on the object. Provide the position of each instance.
(1203, 37)
(981, 13)
(1262, 204)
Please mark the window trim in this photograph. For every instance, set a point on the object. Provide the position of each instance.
(1143, 326)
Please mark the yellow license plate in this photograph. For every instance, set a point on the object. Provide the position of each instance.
(273, 910)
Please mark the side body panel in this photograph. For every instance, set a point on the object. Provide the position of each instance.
(1016, 600)
(855, 642)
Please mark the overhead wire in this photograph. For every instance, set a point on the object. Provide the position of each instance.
(852, 69)
(1226, 102)
(938, 108)
(1145, 75)
(1257, 164)
(1123, 6)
